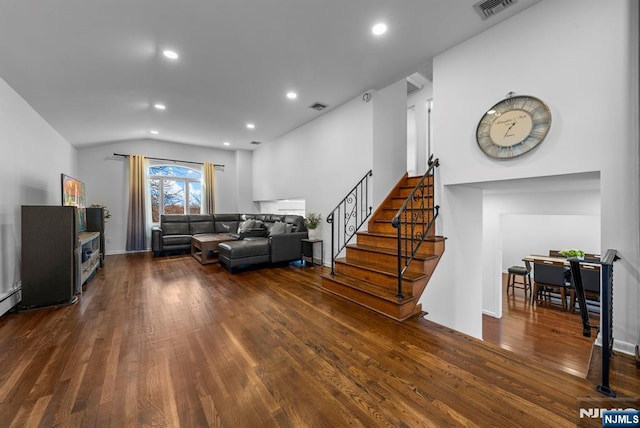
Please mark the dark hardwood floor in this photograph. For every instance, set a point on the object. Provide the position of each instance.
(544, 332)
(169, 342)
(554, 337)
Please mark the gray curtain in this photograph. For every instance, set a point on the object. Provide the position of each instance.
(136, 224)
(209, 204)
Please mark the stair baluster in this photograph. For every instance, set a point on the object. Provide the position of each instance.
(413, 221)
(348, 216)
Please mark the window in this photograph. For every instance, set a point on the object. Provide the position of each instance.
(174, 190)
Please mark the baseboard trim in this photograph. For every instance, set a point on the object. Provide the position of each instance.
(624, 347)
(490, 313)
(10, 300)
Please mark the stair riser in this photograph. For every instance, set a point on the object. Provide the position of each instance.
(406, 191)
(413, 181)
(397, 312)
(417, 266)
(390, 242)
(396, 203)
(418, 287)
(388, 214)
(387, 227)
(387, 281)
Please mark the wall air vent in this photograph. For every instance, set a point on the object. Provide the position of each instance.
(489, 8)
(256, 143)
(411, 87)
(415, 82)
(318, 106)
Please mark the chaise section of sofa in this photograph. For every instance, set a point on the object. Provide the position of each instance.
(283, 243)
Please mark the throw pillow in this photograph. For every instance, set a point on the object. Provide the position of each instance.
(278, 228)
(246, 225)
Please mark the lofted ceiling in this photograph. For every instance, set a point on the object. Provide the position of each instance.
(94, 69)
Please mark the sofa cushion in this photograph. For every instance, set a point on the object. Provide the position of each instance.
(201, 223)
(174, 224)
(226, 223)
(170, 240)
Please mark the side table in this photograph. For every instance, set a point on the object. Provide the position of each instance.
(307, 250)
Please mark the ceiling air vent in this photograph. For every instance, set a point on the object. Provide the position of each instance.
(489, 8)
(318, 106)
(256, 143)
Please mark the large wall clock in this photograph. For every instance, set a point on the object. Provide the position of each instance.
(513, 126)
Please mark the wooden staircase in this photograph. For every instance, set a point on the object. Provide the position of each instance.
(368, 272)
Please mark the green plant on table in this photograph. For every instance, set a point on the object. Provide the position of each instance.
(572, 253)
(312, 220)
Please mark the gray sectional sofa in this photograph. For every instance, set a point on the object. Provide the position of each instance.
(259, 238)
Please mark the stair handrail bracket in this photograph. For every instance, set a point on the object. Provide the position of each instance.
(349, 216)
(414, 220)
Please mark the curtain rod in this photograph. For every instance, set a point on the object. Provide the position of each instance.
(171, 160)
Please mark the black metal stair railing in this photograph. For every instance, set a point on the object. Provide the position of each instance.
(349, 216)
(414, 220)
(606, 312)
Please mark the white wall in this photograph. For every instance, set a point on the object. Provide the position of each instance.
(322, 160)
(589, 132)
(412, 141)
(244, 180)
(518, 56)
(34, 157)
(389, 139)
(524, 234)
(453, 296)
(419, 101)
(106, 179)
(318, 162)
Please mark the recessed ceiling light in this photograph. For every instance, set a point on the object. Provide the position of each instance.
(292, 95)
(379, 29)
(226, 143)
(154, 132)
(250, 126)
(170, 54)
(159, 106)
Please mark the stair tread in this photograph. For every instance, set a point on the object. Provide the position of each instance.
(396, 209)
(388, 251)
(370, 288)
(414, 186)
(382, 269)
(405, 197)
(385, 220)
(431, 238)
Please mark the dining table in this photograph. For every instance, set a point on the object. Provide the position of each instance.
(537, 258)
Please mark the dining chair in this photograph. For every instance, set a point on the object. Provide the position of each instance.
(525, 282)
(549, 277)
(590, 283)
